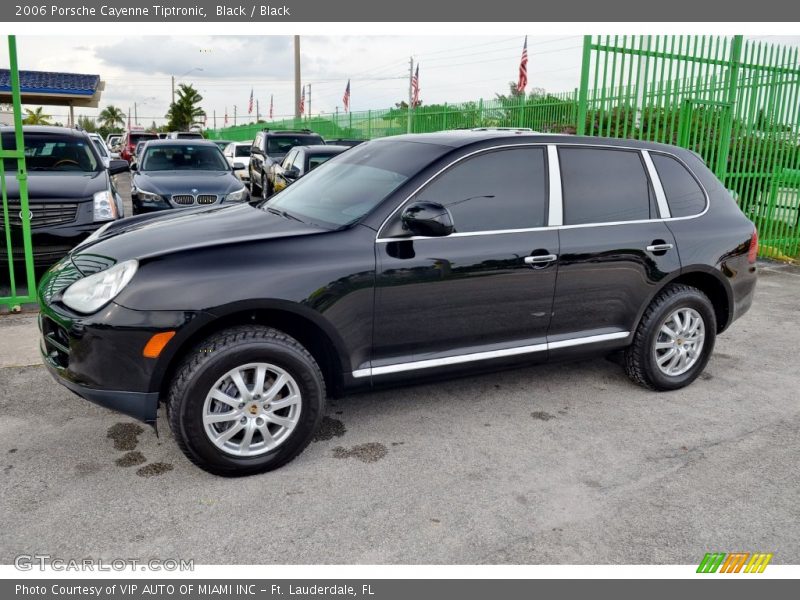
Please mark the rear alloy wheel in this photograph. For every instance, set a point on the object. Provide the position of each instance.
(674, 340)
(246, 400)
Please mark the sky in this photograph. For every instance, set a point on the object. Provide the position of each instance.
(138, 69)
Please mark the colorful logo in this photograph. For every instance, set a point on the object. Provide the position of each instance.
(734, 562)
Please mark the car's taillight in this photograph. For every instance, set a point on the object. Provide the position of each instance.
(753, 251)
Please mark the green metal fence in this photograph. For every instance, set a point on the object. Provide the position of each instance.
(736, 103)
(18, 263)
(546, 113)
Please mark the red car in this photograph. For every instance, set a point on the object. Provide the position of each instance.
(129, 141)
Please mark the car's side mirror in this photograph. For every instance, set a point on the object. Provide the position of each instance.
(133, 167)
(239, 166)
(118, 166)
(291, 172)
(256, 151)
(427, 218)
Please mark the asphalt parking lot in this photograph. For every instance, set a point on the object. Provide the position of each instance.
(566, 463)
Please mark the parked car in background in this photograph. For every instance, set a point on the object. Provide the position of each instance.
(102, 150)
(138, 151)
(162, 136)
(183, 173)
(408, 257)
(239, 153)
(269, 148)
(300, 161)
(113, 139)
(70, 191)
(129, 141)
(345, 142)
(184, 135)
(224, 143)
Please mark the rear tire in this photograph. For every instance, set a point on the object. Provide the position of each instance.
(674, 339)
(217, 391)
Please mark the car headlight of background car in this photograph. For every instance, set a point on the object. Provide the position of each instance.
(149, 196)
(105, 206)
(92, 293)
(236, 196)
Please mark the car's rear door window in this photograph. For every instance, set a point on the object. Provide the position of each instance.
(497, 190)
(684, 195)
(604, 185)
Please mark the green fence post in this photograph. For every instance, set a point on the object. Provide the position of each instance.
(583, 96)
(730, 98)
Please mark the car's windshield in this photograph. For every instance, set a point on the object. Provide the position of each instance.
(189, 136)
(138, 137)
(343, 190)
(243, 150)
(183, 157)
(279, 145)
(316, 160)
(52, 152)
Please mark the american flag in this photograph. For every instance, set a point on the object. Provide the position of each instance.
(415, 89)
(523, 68)
(250, 104)
(303, 101)
(270, 106)
(346, 97)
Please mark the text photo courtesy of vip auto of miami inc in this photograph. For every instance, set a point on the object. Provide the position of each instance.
(402, 299)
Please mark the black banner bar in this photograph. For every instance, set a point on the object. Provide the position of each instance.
(269, 11)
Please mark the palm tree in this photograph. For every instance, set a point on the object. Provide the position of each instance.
(111, 117)
(36, 117)
(186, 111)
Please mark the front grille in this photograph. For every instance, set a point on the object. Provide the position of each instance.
(56, 342)
(206, 199)
(43, 214)
(183, 199)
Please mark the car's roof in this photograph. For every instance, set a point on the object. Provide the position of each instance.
(460, 138)
(54, 129)
(183, 142)
(323, 149)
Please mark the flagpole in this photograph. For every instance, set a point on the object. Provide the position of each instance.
(256, 111)
(410, 85)
(309, 101)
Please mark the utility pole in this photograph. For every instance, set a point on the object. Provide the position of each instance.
(309, 101)
(135, 115)
(234, 115)
(173, 89)
(410, 91)
(297, 77)
(257, 118)
(215, 118)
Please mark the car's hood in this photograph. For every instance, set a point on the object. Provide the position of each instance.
(171, 231)
(59, 185)
(167, 183)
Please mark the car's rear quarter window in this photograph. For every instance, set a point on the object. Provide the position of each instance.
(684, 195)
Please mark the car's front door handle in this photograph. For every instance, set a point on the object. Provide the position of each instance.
(659, 247)
(540, 259)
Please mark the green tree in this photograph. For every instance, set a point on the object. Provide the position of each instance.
(186, 111)
(111, 118)
(36, 117)
(87, 124)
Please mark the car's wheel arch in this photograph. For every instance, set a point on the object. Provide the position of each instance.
(307, 326)
(708, 280)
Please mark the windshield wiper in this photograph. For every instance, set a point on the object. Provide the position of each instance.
(283, 213)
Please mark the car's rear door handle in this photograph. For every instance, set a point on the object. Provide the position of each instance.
(540, 259)
(659, 247)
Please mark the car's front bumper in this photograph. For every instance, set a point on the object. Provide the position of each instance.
(100, 357)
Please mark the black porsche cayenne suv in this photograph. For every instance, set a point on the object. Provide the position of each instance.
(402, 258)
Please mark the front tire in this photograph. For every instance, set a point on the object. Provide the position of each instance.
(674, 339)
(247, 400)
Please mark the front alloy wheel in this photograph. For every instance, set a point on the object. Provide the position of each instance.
(246, 400)
(252, 409)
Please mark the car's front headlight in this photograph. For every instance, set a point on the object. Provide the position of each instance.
(105, 208)
(92, 293)
(149, 196)
(236, 196)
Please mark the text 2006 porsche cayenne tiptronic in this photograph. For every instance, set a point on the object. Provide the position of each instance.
(401, 258)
